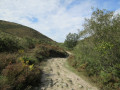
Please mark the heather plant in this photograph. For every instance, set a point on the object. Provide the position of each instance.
(28, 60)
(9, 43)
(6, 59)
(19, 76)
(47, 51)
(30, 42)
(21, 51)
(3, 81)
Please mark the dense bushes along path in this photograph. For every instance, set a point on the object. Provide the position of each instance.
(56, 77)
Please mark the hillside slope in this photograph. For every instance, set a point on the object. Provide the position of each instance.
(21, 31)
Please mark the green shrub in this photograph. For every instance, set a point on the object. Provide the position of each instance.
(71, 60)
(3, 82)
(30, 42)
(28, 60)
(100, 52)
(20, 76)
(47, 51)
(9, 43)
(106, 77)
(7, 58)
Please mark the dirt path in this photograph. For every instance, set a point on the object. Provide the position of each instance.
(57, 77)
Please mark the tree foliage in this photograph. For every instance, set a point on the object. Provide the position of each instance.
(100, 52)
(71, 40)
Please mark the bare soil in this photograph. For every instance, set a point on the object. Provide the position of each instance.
(57, 77)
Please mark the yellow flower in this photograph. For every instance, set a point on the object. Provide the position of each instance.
(27, 62)
(21, 51)
(103, 47)
(31, 67)
(21, 59)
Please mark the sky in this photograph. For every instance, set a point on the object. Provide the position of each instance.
(53, 18)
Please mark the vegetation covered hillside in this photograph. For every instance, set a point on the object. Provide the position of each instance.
(22, 52)
(21, 31)
(99, 54)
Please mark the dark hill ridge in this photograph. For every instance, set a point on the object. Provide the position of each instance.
(21, 31)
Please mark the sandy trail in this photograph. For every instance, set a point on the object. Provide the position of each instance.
(57, 77)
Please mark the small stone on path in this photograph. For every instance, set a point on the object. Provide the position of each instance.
(80, 86)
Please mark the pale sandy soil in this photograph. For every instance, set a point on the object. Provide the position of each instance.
(57, 77)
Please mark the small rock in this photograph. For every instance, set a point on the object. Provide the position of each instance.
(80, 86)
(57, 66)
(62, 87)
(58, 73)
(55, 82)
(65, 84)
(51, 69)
(70, 81)
(57, 85)
(51, 82)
